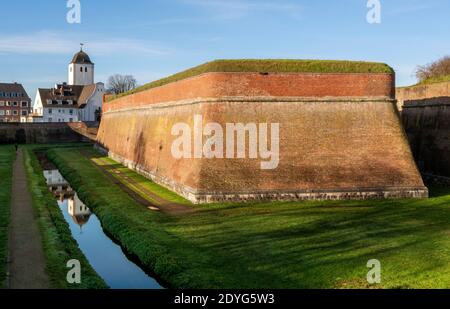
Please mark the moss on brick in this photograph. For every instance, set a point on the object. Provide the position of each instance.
(269, 66)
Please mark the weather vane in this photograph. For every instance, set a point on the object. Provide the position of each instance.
(81, 46)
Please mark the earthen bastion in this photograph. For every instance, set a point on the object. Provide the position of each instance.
(340, 135)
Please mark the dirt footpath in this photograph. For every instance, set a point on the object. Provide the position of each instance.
(27, 263)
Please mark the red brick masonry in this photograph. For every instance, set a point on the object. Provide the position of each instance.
(340, 136)
(216, 85)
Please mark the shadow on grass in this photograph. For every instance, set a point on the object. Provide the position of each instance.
(317, 246)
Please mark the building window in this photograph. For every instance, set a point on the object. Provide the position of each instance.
(15, 113)
(50, 111)
(7, 112)
(50, 119)
(2, 103)
(2, 113)
(81, 69)
(24, 113)
(70, 119)
(71, 111)
(85, 69)
(15, 104)
(24, 104)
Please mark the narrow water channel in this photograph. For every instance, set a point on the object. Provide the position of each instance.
(105, 256)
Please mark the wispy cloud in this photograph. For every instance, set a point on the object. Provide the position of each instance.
(47, 42)
(410, 8)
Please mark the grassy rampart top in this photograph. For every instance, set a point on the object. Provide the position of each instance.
(269, 66)
(429, 81)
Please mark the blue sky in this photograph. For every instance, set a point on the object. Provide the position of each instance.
(154, 38)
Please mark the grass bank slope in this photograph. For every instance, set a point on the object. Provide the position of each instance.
(275, 245)
(7, 157)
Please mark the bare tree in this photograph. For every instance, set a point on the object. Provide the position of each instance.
(121, 83)
(435, 69)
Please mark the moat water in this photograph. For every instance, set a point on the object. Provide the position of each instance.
(107, 258)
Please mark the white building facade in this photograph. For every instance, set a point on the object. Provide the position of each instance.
(79, 100)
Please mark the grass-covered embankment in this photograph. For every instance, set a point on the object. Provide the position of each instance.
(275, 245)
(7, 157)
(269, 66)
(58, 243)
(434, 80)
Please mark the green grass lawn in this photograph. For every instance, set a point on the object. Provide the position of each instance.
(7, 156)
(275, 245)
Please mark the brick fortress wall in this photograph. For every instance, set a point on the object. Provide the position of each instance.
(340, 136)
(426, 117)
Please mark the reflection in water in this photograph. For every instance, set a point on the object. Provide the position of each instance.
(78, 211)
(106, 257)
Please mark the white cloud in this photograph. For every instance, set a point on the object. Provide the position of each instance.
(46, 42)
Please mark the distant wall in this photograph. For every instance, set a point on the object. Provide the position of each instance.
(39, 133)
(426, 117)
(420, 92)
(340, 136)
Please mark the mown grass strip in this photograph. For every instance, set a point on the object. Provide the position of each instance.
(7, 156)
(269, 66)
(58, 243)
(142, 182)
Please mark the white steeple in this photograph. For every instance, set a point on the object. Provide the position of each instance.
(81, 69)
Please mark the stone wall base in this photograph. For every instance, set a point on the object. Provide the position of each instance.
(198, 197)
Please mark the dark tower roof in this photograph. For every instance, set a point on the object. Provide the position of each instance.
(81, 58)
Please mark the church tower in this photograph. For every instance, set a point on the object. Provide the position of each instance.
(81, 69)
